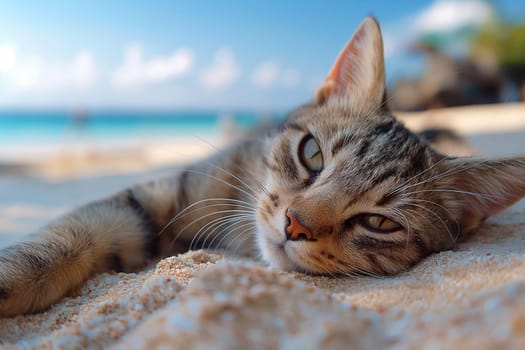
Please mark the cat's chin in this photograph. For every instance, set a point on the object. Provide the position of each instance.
(279, 253)
(276, 255)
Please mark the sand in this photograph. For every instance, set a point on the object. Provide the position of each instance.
(469, 298)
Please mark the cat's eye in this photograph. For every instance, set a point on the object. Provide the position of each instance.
(379, 223)
(310, 154)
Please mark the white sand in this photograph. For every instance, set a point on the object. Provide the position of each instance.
(471, 298)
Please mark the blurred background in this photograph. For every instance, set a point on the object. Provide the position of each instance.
(95, 94)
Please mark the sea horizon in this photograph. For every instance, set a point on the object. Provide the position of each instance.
(28, 134)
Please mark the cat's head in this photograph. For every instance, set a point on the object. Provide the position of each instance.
(351, 190)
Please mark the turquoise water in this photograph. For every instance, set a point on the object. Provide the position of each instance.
(32, 132)
(35, 126)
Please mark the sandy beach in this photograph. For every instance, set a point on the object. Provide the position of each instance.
(473, 297)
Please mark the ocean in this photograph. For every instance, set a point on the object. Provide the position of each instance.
(33, 134)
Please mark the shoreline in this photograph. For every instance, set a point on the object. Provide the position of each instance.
(86, 159)
(490, 129)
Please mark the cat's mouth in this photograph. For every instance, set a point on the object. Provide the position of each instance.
(275, 255)
(282, 256)
(281, 253)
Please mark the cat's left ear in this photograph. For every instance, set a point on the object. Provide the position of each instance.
(478, 189)
(358, 72)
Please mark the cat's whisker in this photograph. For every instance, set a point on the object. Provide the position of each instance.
(377, 109)
(452, 171)
(203, 227)
(325, 270)
(243, 170)
(438, 217)
(358, 271)
(404, 185)
(354, 273)
(181, 231)
(475, 194)
(222, 181)
(251, 195)
(458, 227)
(212, 223)
(368, 273)
(211, 227)
(223, 237)
(406, 223)
(185, 210)
(240, 238)
(250, 249)
(263, 189)
(337, 270)
(229, 205)
(362, 272)
(243, 211)
(350, 251)
(224, 226)
(329, 267)
(257, 182)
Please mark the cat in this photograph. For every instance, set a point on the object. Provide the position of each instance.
(339, 188)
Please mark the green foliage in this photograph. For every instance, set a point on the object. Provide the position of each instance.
(513, 52)
(507, 43)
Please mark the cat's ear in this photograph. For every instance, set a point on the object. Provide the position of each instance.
(358, 72)
(481, 188)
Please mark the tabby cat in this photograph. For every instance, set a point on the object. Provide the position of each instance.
(339, 188)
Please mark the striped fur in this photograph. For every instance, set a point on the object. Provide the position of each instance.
(238, 199)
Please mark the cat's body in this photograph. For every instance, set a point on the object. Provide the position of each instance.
(339, 188)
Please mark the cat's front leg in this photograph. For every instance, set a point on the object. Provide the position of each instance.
(119, 233)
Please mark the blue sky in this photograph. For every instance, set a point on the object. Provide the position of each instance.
(199, 54)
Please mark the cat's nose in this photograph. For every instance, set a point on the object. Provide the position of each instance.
(295, 230)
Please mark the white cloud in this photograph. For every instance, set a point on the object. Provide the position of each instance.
(83, 70)
(27, 74)
(7, 58)
(269, 74)
(223, 72)
(34, 73)
(136, 71)
(266, 74)
(449, 15)
(291, 78)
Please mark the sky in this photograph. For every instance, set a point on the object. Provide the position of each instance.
(231, 54)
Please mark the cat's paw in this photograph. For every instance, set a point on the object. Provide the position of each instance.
(23, 289)
(15, 297)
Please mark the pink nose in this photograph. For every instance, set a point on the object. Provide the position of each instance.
(295, 231)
